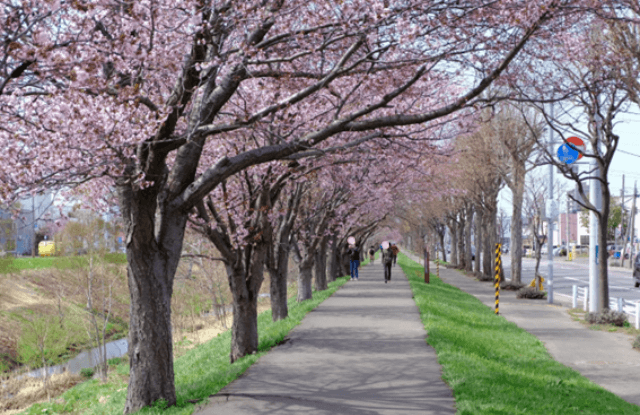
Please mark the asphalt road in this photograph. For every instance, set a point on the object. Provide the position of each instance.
(567, 273)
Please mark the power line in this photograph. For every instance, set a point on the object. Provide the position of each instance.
(626, 152)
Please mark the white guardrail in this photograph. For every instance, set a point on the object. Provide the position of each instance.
(632, 309)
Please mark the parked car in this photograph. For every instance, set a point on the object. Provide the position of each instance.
(636, 271)
(560, 251)
(616, 251)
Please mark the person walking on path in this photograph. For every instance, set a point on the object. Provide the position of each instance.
(394, 251)
(387, 260)
(372, 254)
(354, 261)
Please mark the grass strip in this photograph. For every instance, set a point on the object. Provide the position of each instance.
(10, 264)
(495, 367)
(199, 373)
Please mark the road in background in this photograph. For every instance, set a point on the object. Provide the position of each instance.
(569, 273)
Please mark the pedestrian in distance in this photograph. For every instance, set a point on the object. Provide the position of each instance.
(387, 260)
(354, 261)
(394, 251)
(372, 254)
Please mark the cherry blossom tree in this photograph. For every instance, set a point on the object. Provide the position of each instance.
(162, 99)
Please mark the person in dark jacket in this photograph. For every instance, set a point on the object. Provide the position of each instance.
(387, 260)
(372, 254)
(394, 251)
(354, 261)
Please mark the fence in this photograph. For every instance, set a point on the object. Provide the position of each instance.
(619, 304)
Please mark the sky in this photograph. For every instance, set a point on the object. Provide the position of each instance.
(626, 161)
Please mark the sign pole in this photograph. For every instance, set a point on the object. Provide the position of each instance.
(497, 278)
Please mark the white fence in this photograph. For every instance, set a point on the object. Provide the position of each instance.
(581, 294)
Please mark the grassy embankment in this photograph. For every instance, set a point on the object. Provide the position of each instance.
(49, 290)
(200, 372)
(493, 366)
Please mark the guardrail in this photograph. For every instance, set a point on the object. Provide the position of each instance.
(631, 308)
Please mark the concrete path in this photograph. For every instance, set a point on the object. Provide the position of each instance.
(361, 352)
(606, 358)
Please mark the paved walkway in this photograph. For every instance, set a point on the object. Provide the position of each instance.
(606, 358)
(361, 352)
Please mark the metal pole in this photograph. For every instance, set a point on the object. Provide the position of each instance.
(568, 225)
(622, 234)
(550, 223)
(632, 224)
(497, 279)
(596, 200)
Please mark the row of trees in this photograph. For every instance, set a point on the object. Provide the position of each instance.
(226, 116)
(583, 93)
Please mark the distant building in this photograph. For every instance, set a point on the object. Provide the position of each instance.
(21, 233)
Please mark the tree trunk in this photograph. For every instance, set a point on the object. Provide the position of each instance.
(245, 289)
(461, 252)
(345, 261)
(321, 266)
(304, 282)
(538, 246)
(244, 331)
(603, 278)
(278, 287)
(478, 239)
(150, 332)
(278, 269)
(444, 250)
(334, 260)
(516, 232)
(453, 228)
(467, 238)
(488, 239)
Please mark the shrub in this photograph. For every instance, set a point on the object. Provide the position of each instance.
(481, 276)
(607, 316)
(636, 343)
(117, 360)
(87, 372)
(511, 286)
(7, 265)
(531, 292)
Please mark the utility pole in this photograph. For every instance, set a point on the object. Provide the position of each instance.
(568, 226)
(550, 220)
(622, 235)
(632, 224)
(595, 197)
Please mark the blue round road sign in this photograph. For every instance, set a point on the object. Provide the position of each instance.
(567, 154)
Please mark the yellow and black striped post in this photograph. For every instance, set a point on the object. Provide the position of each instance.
(497, 279)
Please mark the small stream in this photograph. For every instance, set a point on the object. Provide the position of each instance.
(91, 358)
(86, 359)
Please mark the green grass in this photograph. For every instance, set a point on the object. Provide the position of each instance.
(493, 366)
(200, 372)
(8, 265)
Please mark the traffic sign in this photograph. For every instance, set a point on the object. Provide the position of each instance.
(577, 144)
(567, 154)
(571, 151)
